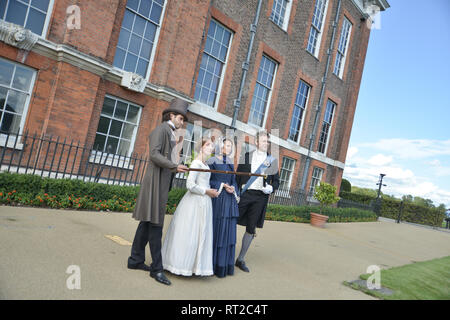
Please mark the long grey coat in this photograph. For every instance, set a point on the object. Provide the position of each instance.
(152, 199)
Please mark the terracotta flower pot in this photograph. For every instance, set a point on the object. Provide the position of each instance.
(318, 220)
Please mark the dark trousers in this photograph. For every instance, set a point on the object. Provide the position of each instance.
(251, 208)
(147, 233)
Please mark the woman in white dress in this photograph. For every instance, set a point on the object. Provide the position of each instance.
(188, 244)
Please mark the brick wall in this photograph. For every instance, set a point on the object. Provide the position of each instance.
(67, 100)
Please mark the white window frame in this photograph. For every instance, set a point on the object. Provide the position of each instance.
(269, 98)
(319, 37)
(155, 43)
(343, 54)
(287, 15)
(12, 137)
(43, 35)
(331, 126)
(313, 178)
(197, 132)
(224, 70)
(304, 112)
(117, 160)
(285, 192)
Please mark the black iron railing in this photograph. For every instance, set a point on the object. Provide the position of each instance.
(50, 156)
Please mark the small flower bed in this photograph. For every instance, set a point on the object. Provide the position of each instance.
(14, 198)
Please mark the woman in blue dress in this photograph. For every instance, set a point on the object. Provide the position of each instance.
(225, 209)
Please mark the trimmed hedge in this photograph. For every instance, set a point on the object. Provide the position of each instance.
(34, 184)
(390, 208)
(365, 199)
(302, 214)
(32, 190)
(412, 213)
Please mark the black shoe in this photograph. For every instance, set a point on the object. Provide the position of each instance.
(139, 266)
(161, 277)
(241, 265)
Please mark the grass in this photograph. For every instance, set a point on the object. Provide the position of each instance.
(427, 280)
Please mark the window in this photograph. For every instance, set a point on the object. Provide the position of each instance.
(299, 111)
(117, 127)
(16, 85)
(315, 180)
(326, 125)
(30, 14)
(287, 167)
(213, 64)
(138, 35)
(315, 34)
(193, 132)
(280, 13)
(263, 88)
(342, 48)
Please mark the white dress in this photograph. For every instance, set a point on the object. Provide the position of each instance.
(188, 243)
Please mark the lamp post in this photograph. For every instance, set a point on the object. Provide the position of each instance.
(378, 200)
(379, 184)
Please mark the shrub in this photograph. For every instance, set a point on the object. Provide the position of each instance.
(302, 213)
(365, 199)
(345, 186)
(390, 208)
(326, 194)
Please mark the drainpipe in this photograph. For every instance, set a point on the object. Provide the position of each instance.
(237, 101)
(319, 105)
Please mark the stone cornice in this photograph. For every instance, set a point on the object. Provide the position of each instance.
(17, 36)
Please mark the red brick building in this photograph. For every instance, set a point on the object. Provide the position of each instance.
(101, 72)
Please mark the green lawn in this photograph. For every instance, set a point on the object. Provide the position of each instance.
(427, 280)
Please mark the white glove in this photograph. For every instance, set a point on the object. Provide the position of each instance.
(267, 189)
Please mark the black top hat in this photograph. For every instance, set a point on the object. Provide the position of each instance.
(178, 106)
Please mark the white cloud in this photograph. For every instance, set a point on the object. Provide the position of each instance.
(438, 169)
(411, 148)
(363, 168)
(352, 151)
(380, 160)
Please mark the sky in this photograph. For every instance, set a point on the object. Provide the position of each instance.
(402, 121)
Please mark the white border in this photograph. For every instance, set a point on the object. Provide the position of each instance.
(319, 38)
(304, 112)
(133, 139)
(155, 42)
(27, 103)
(269, 98)
(224, 69)
(344, 56)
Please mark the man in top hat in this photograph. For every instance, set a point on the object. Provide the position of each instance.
(151, 203)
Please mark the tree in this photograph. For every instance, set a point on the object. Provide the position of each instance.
(441, 208)
(345, 186)
(365, 191)
(326, 194)
(408, 198)
(423, 202)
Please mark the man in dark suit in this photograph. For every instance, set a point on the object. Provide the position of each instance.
(255, 191)
(151, 203)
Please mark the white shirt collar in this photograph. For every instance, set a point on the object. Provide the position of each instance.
(171, 124)
(260, 153)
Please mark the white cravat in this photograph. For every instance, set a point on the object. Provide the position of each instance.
(173, 131)
(257, 159)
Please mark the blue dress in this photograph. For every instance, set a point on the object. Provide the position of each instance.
(225, 215)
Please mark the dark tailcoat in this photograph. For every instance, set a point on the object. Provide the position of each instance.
(154, 192)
